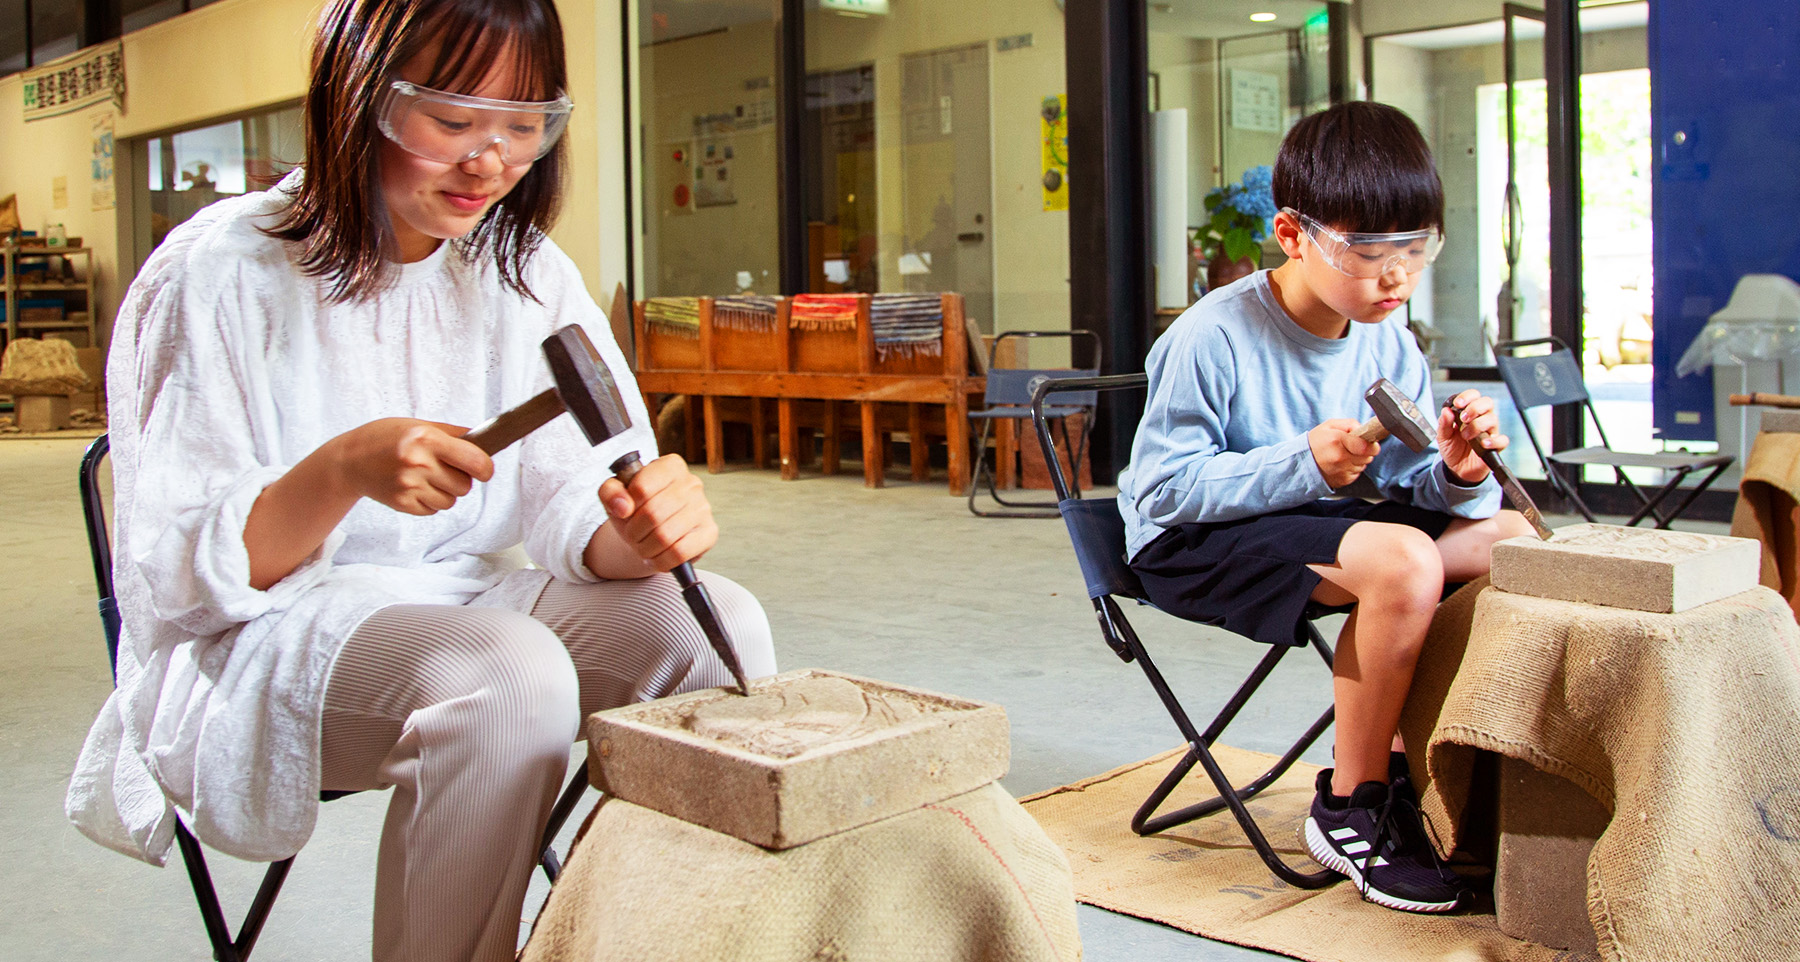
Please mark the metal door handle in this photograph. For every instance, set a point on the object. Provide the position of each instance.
(971, 236)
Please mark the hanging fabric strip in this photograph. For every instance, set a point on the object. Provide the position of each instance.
(823, 312)
(745, 312)
(679, 316)
(907, 325)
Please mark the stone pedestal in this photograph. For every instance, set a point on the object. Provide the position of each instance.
(1642, 569)
(810, 753)
(40, 412)
(1548, 826)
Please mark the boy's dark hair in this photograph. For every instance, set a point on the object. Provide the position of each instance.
(1359, 166)
(338, 216)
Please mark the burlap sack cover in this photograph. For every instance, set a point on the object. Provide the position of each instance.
(49, 366)
(971, 877)
(1765, 509)
(1685, 726)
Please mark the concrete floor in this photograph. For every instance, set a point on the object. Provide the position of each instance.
(900, 584)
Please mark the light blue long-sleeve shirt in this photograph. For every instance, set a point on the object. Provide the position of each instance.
(1235, 384)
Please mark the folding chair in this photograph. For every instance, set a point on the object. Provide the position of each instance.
(1555, 379)
(227, 948)
(1007, 397)
(1098, 533)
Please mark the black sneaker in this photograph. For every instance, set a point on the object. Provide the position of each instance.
(1378, 841)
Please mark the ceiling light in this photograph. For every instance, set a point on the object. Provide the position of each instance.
(1262, 17)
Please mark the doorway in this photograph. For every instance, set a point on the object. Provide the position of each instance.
(946, 181)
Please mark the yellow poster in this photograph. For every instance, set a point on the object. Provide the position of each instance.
(1054, 124)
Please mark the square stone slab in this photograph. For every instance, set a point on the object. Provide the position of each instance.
(808, 754)
(1638, 568)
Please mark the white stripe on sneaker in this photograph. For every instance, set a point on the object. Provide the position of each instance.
(1342, 833)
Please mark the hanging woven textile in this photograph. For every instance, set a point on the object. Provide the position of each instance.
(907, 325)
(823, 312)
(745, 312)
(679, 316)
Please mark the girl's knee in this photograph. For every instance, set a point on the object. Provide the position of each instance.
(520, 673)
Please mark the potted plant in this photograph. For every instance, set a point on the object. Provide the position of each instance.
(1241, 217)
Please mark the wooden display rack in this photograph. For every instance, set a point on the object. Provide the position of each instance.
(797, 366)
(18, 288)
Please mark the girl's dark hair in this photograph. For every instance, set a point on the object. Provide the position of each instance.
(338, 216)
(1359, 166)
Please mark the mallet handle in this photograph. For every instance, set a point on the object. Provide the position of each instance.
(509, 426)
(1371, 430)
(1768, 400)
(692, 591)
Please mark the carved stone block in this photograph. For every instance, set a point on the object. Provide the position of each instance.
(1638, 568)
(808, 754)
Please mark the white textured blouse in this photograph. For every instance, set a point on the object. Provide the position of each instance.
(228, 366)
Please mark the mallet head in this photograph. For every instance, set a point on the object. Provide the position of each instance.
(585, 385)
(1400, 416)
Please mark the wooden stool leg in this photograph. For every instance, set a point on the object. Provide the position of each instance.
(715, 437)
(790, 439)
(871, 446)
(956, 436)
(834, 432)
(915, 430)
(690, 426)
(1006, 452)
(759, 434)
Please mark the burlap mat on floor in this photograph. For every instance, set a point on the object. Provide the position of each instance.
(1205, 878)
(971, 877)
(1686, 726)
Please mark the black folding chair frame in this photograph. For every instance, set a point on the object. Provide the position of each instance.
(226, 947)
(1027, 508)
(1124, 641)
(1569, 489)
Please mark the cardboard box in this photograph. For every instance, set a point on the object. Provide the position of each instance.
(36, 413)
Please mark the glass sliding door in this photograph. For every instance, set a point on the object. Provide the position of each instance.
(705, 79)
(1227, 80)
(932, 149)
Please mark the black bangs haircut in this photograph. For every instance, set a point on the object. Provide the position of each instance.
(1362, 167)
(337, 215)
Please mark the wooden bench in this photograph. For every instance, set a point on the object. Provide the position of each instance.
(791, 365)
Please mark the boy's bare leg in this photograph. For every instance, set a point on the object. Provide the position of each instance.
(1394, 575)
(1466, 546)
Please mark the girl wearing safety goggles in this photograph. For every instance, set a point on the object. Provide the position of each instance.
(1249, 436)
(322, 585)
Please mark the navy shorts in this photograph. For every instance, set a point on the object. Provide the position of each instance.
(1250, 576)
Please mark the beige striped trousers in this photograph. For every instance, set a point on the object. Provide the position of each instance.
(469, 714)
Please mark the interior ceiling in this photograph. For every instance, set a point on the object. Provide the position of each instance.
(1228, 18)
(660, 20)
(1594, 19)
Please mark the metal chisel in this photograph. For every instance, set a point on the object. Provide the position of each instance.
(1515, 492)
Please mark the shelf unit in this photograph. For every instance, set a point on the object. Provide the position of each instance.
(76, 317)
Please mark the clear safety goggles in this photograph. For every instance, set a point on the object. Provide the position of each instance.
(1371, 255)
(453, 128)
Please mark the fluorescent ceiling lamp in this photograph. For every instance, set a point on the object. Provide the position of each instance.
(1262, 17)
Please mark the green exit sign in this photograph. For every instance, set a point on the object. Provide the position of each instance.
(855, 6)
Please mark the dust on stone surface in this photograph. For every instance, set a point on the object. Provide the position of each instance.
(1649, 544)
(787, 718)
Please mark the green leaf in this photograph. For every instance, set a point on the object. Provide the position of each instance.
(1239, 244)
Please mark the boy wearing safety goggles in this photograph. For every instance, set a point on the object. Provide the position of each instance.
(1232, 498)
